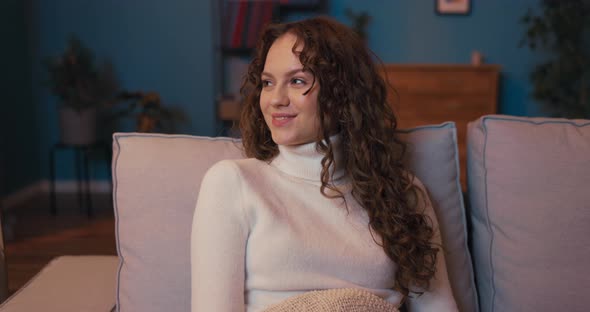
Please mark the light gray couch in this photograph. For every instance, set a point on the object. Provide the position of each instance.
(523, 243)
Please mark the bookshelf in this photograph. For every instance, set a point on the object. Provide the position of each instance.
(240, 24)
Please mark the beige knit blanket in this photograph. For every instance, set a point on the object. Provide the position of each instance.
(334, 300)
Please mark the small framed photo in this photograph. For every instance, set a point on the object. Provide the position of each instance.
(453, 7)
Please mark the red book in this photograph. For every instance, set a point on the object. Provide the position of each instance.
(267, 14)
(239, 28)
(254, 23)
(228, 23)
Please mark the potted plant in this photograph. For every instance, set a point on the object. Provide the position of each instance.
(82, 87)
(148, 111)
(560, 32)
(360, 22)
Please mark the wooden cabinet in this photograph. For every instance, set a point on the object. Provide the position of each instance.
(431, 94)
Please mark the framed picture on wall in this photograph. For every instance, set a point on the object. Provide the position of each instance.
(453, 7)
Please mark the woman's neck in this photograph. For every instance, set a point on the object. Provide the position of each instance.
(305, 161)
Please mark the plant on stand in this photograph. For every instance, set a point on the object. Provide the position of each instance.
(562, 82)
(83, 89)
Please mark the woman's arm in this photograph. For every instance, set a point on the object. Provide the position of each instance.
(440, 295)
(218, 242)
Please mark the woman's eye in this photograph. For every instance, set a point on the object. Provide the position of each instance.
(266, 83)
(297, 81)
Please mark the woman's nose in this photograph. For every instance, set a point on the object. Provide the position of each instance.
(279, 97)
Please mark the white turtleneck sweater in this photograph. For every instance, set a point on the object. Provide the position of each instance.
(264, 232)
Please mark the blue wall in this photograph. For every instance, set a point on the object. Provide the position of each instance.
(168, 47)
(19, 133)
(155, 46)
(409, 31)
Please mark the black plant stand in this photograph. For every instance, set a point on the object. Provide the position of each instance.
(82, 171)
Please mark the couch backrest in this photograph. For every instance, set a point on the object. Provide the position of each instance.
(529, 187)
(156, 181)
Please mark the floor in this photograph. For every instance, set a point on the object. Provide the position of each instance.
(33, 236)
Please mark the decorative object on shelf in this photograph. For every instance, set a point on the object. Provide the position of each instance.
(453, 7)
(149, 112)
(82, 87)
(476, 58)
(561, 82)
(360, 21)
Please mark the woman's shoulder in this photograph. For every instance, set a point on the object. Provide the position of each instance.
(236, 164)
(413, 179)
(234, 167)
(417, 182)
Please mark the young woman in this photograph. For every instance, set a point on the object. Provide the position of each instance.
(324, 202)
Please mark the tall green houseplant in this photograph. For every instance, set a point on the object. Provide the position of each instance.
(560, 33)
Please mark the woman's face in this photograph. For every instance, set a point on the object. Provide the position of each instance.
(290, 114)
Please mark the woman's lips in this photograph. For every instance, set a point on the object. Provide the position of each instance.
(279, 120)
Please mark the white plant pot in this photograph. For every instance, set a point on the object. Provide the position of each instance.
(77, 128)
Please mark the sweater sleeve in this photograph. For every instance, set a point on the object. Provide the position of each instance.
(218, 242)
(440, 295)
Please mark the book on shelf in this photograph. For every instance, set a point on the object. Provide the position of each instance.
(244, 20)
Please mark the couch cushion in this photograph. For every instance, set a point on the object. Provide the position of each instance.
(434, 158)
(529, 182)
(156, 180)
(68, 283)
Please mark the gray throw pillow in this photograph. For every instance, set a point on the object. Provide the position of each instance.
(529, 185)
(433, 156)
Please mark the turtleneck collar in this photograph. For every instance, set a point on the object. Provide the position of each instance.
(304, 161)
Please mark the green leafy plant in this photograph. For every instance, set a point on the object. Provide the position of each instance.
(77, 80)
(360, 21)
(562, 82)
(148, 111)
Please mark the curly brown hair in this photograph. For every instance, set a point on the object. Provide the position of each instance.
(352, 101)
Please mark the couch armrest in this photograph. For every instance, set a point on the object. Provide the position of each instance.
(69, 283)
